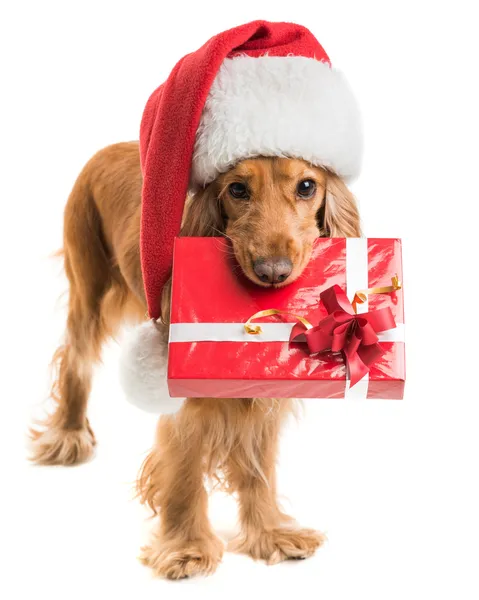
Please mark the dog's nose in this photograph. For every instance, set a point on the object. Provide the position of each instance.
(273, 270)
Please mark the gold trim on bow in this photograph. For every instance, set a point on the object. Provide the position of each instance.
(359, 298)
(256, 329)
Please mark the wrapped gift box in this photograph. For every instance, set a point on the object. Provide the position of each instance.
(211, 354)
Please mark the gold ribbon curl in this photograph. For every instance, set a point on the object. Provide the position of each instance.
(360, 297)
(255, 329)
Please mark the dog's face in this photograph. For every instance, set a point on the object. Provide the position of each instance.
(272, 210)
(270, 207)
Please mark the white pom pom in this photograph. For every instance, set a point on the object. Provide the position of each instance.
(143, 370)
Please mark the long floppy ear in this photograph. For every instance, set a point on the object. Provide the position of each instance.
(338, 216)
(203, 215)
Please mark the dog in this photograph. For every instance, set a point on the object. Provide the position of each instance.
(271, 210)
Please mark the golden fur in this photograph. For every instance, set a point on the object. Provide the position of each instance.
(235, 439)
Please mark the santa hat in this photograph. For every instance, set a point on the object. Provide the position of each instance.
(260, 89)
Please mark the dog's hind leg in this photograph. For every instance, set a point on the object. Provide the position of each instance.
(65, 436)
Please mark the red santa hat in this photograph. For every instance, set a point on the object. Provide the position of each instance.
(260, 89)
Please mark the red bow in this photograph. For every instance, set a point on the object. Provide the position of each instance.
(345, 331)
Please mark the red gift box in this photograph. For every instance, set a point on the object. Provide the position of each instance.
(212, 355)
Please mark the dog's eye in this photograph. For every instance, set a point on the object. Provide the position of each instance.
(306, 188)
(238, 190)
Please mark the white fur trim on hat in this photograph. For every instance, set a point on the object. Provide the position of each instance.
(278, 106)
(143, 373)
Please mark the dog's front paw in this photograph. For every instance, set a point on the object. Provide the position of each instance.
(279, 544)
(176, 559)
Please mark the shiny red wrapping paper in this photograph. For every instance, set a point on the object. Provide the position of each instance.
(211, 299)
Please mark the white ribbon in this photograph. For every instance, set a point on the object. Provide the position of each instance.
(357, 279)
(235, 332)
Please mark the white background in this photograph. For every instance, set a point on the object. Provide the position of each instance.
(394, 484)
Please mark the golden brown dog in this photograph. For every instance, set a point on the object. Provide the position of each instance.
(272, 210)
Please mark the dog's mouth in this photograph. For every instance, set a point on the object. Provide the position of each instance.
(267, 284)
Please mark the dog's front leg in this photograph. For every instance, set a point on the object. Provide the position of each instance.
(171, 482)
(267, 533)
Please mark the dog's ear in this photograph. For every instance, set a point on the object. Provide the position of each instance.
(204, 214)
(338, 215)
